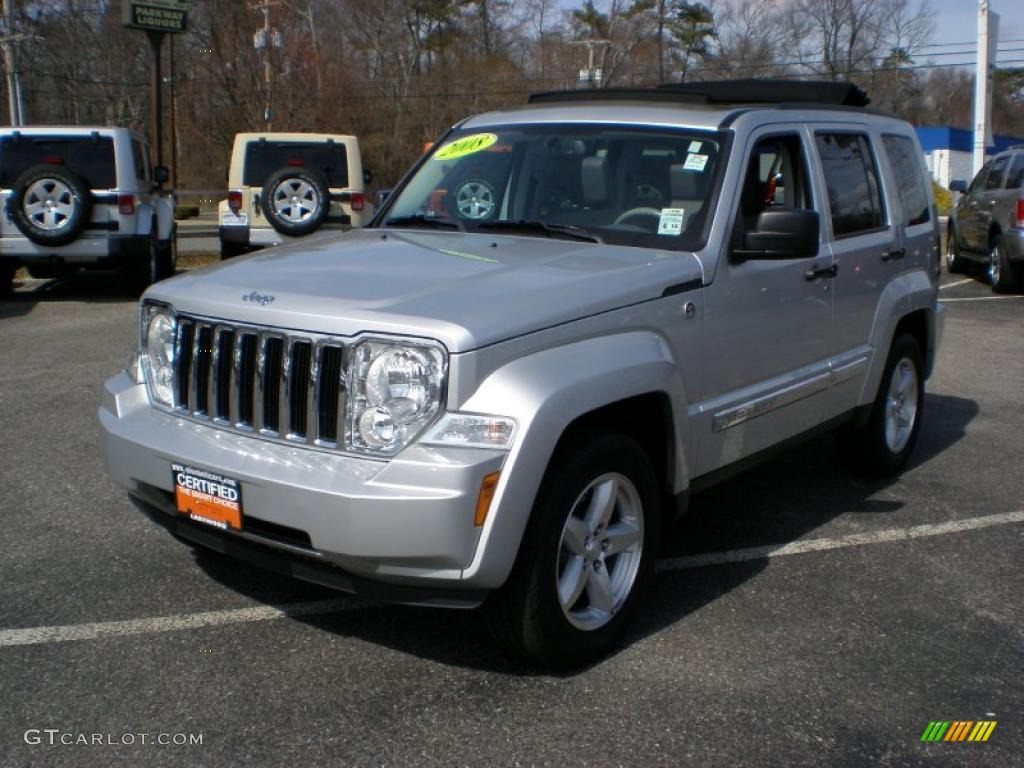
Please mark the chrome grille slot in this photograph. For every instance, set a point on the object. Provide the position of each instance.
(330, 391)
(245, 378)
(270, 383)
(299, 385)
(202, 359)
(182, 362)
(258, 380)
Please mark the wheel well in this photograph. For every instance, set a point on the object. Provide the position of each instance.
(916, 324)
(646, 418)
(993, 233)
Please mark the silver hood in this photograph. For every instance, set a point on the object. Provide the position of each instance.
(465, 290)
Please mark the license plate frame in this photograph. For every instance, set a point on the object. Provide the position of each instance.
(207, 497)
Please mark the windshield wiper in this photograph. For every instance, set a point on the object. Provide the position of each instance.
(422, 220)
(552, 230)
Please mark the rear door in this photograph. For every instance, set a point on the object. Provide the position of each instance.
(906, 179)
(863, 242)
(989, 202)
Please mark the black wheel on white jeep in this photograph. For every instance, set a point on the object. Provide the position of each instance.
(882, 445)
(146, 267)
(586, 557)
(50, 205)
(295, 201)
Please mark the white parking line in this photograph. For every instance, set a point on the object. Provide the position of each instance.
(958, 282)
(853, 540)
(61, 634)
(980, 298)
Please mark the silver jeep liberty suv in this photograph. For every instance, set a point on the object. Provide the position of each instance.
(566, 317)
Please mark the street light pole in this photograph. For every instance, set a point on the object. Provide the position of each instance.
(156, 134)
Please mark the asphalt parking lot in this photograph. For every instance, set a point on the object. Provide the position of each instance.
(803, 616)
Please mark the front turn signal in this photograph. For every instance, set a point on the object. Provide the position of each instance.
(483, 501)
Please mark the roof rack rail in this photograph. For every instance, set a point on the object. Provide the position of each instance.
(830, 93)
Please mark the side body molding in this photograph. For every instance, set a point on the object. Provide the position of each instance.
(545, 392)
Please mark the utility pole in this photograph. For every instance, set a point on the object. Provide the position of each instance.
(16, 104)
(265, 40)
(591, 76)
(156, 102)
(988, 42)
(174, 115)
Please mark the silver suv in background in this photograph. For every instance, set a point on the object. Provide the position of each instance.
(987, 223)
(81, 198)
(567, 318)
(287, 185)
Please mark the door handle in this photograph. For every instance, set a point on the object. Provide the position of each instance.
(895, 253)
(815, 273)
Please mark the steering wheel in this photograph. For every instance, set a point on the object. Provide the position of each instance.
(623, 217)
(475, 200)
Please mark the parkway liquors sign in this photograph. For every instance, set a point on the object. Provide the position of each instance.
(158, 15)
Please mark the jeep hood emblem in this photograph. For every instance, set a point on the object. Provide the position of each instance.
(259, 298)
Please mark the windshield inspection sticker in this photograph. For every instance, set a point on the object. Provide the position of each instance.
(694, 146)
(671, 221)
(467, 145)
(695, 162)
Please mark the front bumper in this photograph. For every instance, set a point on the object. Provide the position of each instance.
(407, 521)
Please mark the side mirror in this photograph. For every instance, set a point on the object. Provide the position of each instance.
(367, 176)
(161, 175)
(958, 185)
(783, 233)
(382, 196)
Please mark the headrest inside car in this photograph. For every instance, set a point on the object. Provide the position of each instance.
(596, 180)
(686, 184)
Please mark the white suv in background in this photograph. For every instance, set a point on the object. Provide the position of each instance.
(285, 185)
(83, 198)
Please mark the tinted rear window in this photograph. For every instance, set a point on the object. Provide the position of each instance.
(263, 158)
(853, 192)
(91, 158)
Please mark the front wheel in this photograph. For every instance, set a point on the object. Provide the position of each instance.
(586, 557)
(882, 446)
(954, 261)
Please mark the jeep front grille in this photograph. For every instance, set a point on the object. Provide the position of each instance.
(280, 385)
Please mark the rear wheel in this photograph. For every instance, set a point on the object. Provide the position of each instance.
(586, 557)
(1002, 275)
(882, 446)
(144, 268)
(50, 205)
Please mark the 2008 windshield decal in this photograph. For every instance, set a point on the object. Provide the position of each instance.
(467, 145)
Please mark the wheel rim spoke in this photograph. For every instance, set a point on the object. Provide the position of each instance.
(602, 504)
(575, 535)
(573, 581)
(620, 537)
(599, 591)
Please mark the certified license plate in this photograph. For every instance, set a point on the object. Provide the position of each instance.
(207, 497)
(232, 219)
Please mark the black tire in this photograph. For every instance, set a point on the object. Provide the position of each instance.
(144, 268)
(230, 250)
(310, 189)
(69, 192)
(955, 263)
(168, 255)
(7, 279)
(866, 446)
(525, 616)
(1002, 273)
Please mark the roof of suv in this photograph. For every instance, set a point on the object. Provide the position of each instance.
(69, 130)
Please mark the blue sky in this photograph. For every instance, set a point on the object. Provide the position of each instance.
(956, 21)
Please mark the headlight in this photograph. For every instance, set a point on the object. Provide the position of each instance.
(395, 391)
(158, 347)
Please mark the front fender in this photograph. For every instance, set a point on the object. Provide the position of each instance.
(545, 392)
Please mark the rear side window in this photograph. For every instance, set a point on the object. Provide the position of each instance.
(996, 172)
(263, 158)
(140, 157)
(854, 195)
(90, 157)
(1015, 179)
(909, 177)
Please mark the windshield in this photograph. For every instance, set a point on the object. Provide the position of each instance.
(645, 187)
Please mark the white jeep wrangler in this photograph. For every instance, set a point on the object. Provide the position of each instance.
(287, 185)
(83, 198)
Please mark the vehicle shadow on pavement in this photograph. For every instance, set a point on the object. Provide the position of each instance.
(778, 502)
(90, 287)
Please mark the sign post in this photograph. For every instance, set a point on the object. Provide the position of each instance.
(157, 18)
